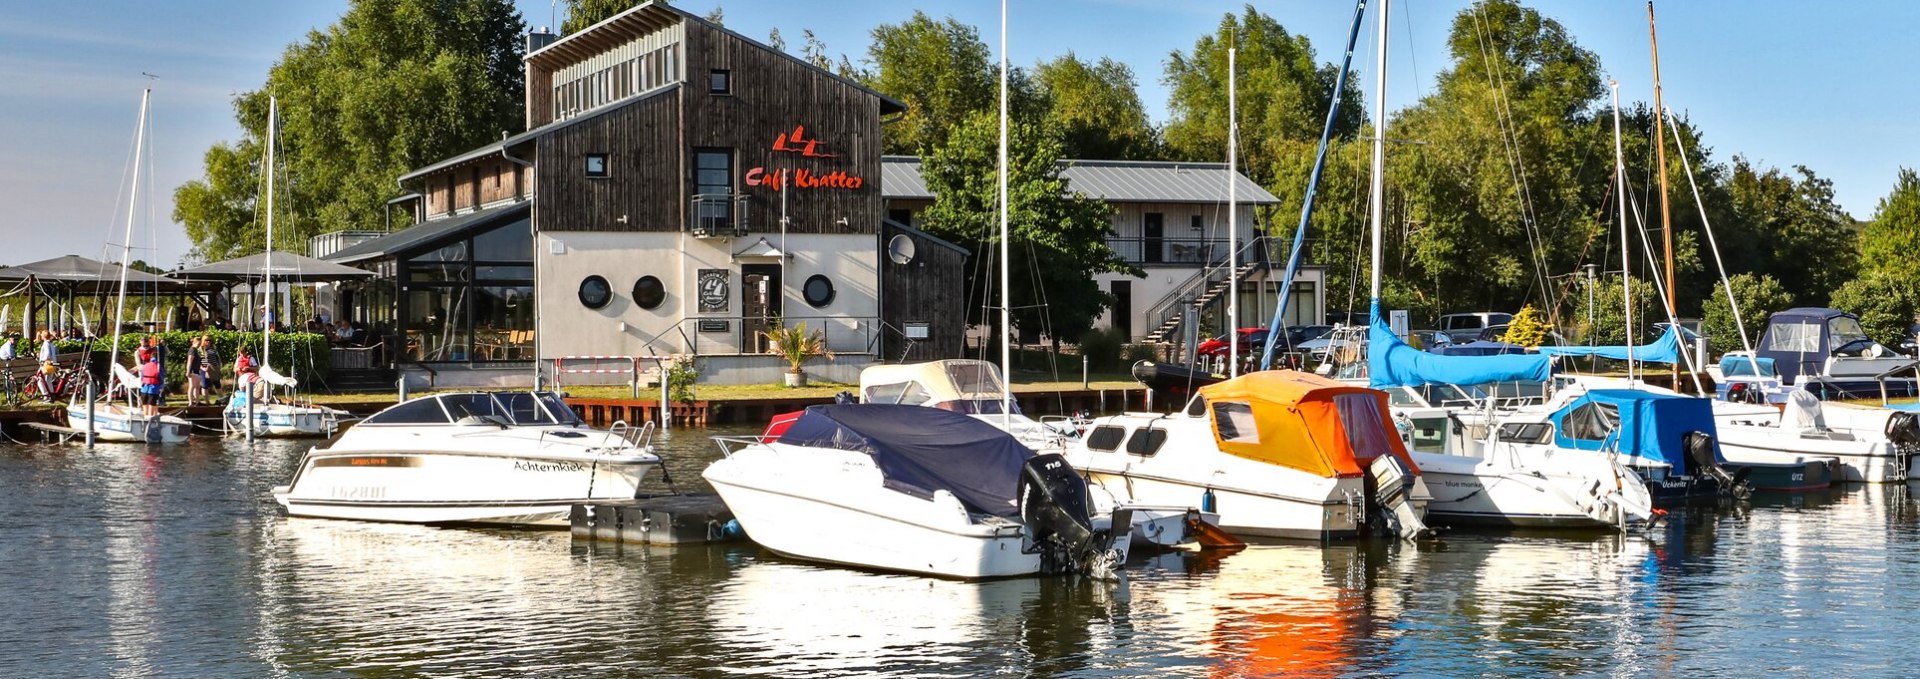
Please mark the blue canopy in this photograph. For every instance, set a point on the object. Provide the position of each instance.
(1637, 423)
(1479, 348)
(1732, 365)
(920, 450)
(1391, 363)
(1663, 350)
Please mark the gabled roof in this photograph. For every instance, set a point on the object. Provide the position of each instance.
(1114, 181)
(654, 15)
(81, 270)
(428, 234)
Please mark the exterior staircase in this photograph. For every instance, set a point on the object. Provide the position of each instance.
(1209, 285)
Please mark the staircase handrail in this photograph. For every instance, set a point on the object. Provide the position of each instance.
(1190, 289)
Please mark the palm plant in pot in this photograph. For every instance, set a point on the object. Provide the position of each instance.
(797, 346)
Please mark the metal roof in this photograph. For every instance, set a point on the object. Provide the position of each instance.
(81, 270)
(428, 234)
(287, 266)
(1114, 181)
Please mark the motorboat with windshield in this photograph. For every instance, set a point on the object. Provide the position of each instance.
(1825, 351)
(1275, 453)
(516, 458)
(915, 490)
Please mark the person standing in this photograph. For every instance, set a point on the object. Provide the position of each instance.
(196, 378)
(150, 373)
(210, 367)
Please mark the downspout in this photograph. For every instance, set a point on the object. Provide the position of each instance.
(533, 226)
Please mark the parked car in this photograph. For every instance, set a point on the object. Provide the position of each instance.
(1456, 325)
(1907, 345)
(1251, 340)
(1428, 339)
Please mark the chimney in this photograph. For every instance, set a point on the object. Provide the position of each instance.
(540, 38)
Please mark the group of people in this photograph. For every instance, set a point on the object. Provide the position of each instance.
(48, 350)
(203, 372)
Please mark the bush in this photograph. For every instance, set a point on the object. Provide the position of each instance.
(682, 373)
(1759, 297)
(299, 355)
(1141, 352)
(1526, 329)
(1101, 348)
(1885, 307)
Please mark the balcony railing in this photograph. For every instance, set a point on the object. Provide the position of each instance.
(1178, 251)
(718, 215)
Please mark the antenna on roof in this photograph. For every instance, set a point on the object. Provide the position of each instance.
(149, 76)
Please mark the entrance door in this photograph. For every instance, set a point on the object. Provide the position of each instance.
(1122, 307)
(1153, 233)
(759, 304)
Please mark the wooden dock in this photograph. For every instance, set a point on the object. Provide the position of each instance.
(663, 520)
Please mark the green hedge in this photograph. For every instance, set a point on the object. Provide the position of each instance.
(300, 355)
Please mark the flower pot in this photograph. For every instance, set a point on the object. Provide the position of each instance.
(796, 379)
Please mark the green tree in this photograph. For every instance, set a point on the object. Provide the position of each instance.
(1528, 328)
(940, 69)
(1609, 324)
(1097, 109)
(1791, 228)
(584, 13)
(1059, 236)
(393, 85)
(1759, 297)
(1284, 95)
(1889, 243)
(1886, 305)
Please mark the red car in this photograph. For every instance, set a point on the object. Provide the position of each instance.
(1251, 340)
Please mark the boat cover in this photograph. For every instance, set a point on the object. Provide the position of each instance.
(1639, 423)
(921, 450)
(1303, 421)
(1663, 350)
(1742, 365)
(1392, 363)
(1478, 348)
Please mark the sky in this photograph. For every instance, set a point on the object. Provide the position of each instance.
(1783, 83)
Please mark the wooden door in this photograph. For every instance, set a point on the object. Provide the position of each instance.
(1153, 234)
(759, 305)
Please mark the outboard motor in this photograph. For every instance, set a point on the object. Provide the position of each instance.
(1055, 508)
(1706, 463)
(1394, 487)
(1903, 431)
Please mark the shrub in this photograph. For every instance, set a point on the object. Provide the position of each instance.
(1759, 296)
(300, 355)
(682, 374)
(1101, 348)
(1526, 329)
(1141, 352)
(1885, 306)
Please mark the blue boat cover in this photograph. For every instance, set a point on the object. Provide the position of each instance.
(1663, 350)
(1649, 425)
(921, 450)
(1733, 365)
(1391, 363)
(1479, 348)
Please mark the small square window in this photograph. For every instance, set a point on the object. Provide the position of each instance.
(596, 165)
(720, 81)
(1199, 223)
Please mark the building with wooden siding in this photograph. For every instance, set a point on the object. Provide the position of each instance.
(681, 189)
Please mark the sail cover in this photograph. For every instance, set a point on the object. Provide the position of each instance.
(1391, 363)
(920, 450)
(1663, 350)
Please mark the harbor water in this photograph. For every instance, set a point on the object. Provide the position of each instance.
(175, 562)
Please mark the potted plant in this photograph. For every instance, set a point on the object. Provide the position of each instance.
(796, 345)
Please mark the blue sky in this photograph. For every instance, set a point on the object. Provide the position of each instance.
(1827, 85)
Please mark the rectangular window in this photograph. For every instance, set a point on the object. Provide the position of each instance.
(713, 187)
(1146, 441)
(1105, 438)
(720, 81)
(1234, 422)
(596, 165)
(1199, 223)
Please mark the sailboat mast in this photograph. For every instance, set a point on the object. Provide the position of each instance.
(1626, 267)
(1377, 190)
(273, 129)
(126, 245)
(1006, 244)
(1660, 157)
(1233, 223)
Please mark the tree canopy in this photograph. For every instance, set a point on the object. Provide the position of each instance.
(393, 85)
(1096, 108)
(940, 69)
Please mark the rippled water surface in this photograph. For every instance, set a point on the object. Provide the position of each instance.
(128, 561)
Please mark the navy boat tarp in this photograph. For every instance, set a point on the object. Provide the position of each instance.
(921, 450)
(1638, 423)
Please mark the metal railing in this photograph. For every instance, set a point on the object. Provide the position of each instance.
(1255, 253)
(718, 215)
(728, 335)
(1182, 251)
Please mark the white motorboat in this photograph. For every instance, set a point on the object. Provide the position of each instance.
(1275, 454)
(516, 458)
(915, 490)
(1500, 474)
(973, 387)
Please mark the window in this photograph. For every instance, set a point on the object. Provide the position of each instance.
(900, 215)
(596, 165)
(720, 81)
(900, 393)
(1843, 331)
(1105, 437)
(1591, 422)
(975, 379)
(648, 292)
(1795, 337)
(595, 293)
(1233, 421)
(713, 187)
(1526, 432)
(1146, 441)
(1197, 407)
(818, 291)
(1199, 223)
(463, 406)
(1368, 433)
(417, 411)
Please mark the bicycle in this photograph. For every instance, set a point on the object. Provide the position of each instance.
(51, 387)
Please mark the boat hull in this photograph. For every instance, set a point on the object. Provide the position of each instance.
(458, 487)
(1245, 512)
(115, 423)
(283, 421)
(1468, 491)
(1859, 461)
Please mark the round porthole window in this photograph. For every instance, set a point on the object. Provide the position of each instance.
(818, 291)
(595, 292)
(648, 292)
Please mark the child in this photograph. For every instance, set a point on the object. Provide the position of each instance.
(149, 383)
(246, 375)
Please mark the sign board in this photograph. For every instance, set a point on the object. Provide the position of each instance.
(712, 290)
(1397, 319)
(715, 326)
(917, 330)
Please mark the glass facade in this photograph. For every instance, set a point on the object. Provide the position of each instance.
(471, 300)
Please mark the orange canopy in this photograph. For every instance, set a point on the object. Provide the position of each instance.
(1303, 421)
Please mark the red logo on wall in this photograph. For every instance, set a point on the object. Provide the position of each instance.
(797, 142)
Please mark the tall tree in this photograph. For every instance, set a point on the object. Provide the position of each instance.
(1097, 109)
(1284, 95)
(940, 69)
(1889, 242)
(1759, 297)
(1790, 227)
(1059, 236)
(393, 85)
(584, 13)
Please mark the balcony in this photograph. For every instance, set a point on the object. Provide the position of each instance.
(1190, 252)
(718, 215)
